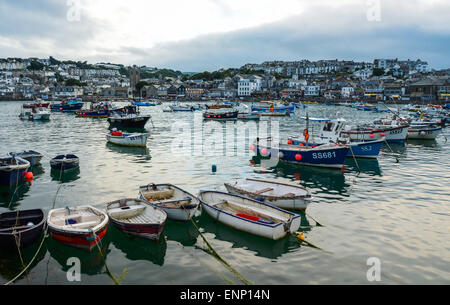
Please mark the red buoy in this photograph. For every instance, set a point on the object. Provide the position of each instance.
(372, 136)
(290, 142)
(264, 151)
(298, 157)
(383, 134)
(29, 175)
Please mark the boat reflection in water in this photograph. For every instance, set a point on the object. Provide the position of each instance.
(91, 263)
(136, 151)
(10, 196)
(65, 176)
(370, 167)
(136, 248)
(182, 232)
(424, 142)
(259, 245)
(11, 264)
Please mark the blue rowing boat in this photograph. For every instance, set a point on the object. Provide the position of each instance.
(65, 162)
(12, 170)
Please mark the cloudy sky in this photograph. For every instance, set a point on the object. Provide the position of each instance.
(199, 35)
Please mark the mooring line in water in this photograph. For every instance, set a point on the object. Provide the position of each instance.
(42, 241)
(317, 223)
(354, 158)
(215, 254)
(385, 141)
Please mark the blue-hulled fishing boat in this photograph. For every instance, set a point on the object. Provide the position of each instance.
(331, 134)
(68, 105)
(327, 155)
(12, 170)
(273, 108)
(65, 162)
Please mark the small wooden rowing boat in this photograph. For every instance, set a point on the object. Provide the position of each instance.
(12, 170)
(81, 227)
(26, 226)
(424, 133)
(136, 217)
(30, 155)
(125, 139)
(282, 195)
(177, 203)
(65, 162)
(249, 215)
(221, 116)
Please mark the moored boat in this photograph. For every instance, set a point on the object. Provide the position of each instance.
(68, 105)
(81, 227)
(249, 215)
(136, 217)
(30, 155)
(176, 202)
(221, 116)
(12, 170)
(424, 133)
(20, 228)
(35, 114)
(327, 155)
(282, 195)
(125, 139)
(65, 162)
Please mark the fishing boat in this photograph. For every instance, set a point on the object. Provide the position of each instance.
(249, 215)
(330, 133)
(81, 227)
(327, 155)
(12, 170)
(19, 229)
(393, 133)
(36, 105)
(247, 115)
(129, 117)
(143, 104)
(127, 139)
(282, 195)
(424, 133)
(275, 108)
(35, 114)
(221, 116)
(30, 155)
(136, 217)
(177, 203)
(65, 162)
(68, 105)
(219, 106)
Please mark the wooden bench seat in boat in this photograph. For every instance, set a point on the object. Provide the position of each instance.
(127, 212)
(264, 191)
(83, 225)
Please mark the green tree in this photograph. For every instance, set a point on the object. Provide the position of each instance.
(73, 82)
(378, 72)
(140, 85)
(35, 66)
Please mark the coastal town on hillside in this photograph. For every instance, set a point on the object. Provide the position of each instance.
(389, 80)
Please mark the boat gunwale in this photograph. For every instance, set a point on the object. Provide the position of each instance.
(293, 215)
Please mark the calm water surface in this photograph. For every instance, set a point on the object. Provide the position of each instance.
(397, 212)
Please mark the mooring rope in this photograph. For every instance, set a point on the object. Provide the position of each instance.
(43, 237)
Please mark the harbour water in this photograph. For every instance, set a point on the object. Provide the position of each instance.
(397, 212)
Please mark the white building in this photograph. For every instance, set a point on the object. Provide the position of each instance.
(247, 86)
(347, 91)
(312, 90)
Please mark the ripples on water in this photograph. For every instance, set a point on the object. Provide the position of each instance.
(397, 212)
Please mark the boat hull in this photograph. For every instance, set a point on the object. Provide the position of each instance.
(391, 134)
(150, 231)
(276, 232)
(13, 174)
(137, 122)
(321, 156)
(369, 149)
(129, 140)
(296, 203)
(424, 133)
(220, 116)
(27, 235)
(84, 241)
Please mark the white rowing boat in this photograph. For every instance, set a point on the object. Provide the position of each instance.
(177, 203)
(249, 215)
(124, 139)
(282, 195)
